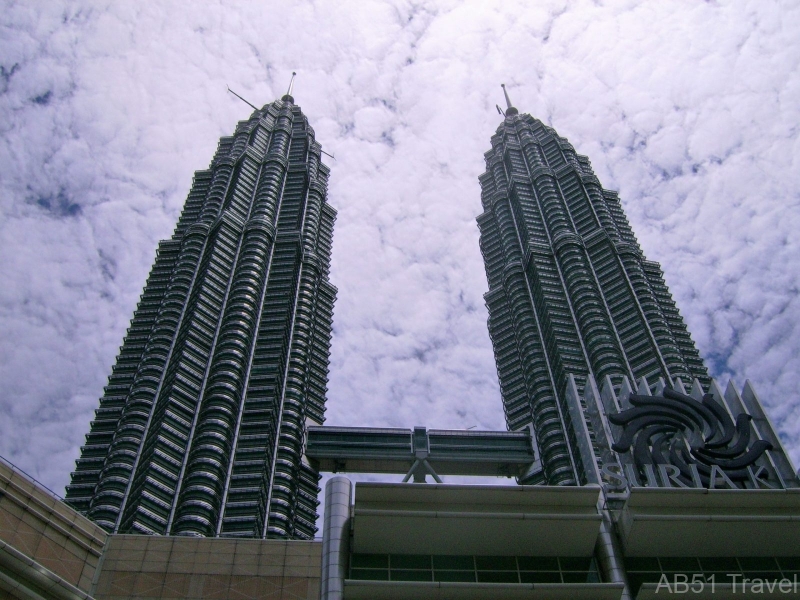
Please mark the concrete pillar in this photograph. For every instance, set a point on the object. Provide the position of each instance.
(609, 554)
(336, 537)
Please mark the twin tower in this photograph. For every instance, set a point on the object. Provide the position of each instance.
(202, 427)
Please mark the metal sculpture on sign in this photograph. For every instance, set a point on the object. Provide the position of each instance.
(699, 440)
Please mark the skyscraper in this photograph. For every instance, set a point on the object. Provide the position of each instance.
(570, 291)
(201, 427)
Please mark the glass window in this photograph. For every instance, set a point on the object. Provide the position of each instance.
(454, 562)
(576, 564)
(370, 561)
(496, 563)
(580, 577)
(538, 563)
(720, 567)
(540, 577)
(642, 564)
(719, 564)
(789, 563)
(442, 575)
(411, 575)
(498, 576)
(411, 561)
(370, 574)
(679, 563)
(485, 569)
(758, 563)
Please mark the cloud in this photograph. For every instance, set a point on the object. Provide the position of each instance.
(690, 110)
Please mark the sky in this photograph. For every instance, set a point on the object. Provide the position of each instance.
(689, 109)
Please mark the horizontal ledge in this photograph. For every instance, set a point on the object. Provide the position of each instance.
(434, 457)
(732, 518)
(433, 514)
(482, 585)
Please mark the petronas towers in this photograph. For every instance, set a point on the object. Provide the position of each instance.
(200, 429)
(570, 292)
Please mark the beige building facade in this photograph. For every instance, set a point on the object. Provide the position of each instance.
(49, 551)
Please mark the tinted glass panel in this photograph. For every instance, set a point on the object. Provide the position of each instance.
(685, 565)
(370, 574)
(758, 563)
(642, 564)
(576, 564)
(453, 562)
(370, 561)
(540, 577)
(496, 563)
(538, 563)
(498, 577)
(407, 575)
(720, 564)
(787, 563)
(454, 575)
(411, 561)
(580, 577)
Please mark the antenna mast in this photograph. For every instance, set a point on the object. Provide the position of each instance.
(510, 110)
(288, 96)
(242, 99)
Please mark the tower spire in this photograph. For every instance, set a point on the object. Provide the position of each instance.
(510, 110)
(288, 96)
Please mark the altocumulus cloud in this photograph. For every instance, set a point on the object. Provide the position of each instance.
(689, 109)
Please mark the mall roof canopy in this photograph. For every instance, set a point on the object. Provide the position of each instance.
(720, 522)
